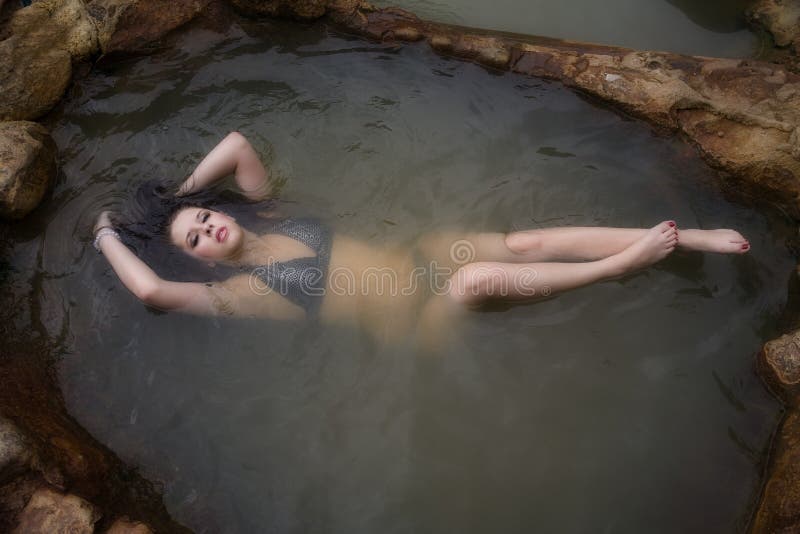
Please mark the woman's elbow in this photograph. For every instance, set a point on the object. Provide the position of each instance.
(238, 140)
(148, 292)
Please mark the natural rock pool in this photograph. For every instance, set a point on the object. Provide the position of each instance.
(710, 28)
(627, 406)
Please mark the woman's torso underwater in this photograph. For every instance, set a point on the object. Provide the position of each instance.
(315, 273)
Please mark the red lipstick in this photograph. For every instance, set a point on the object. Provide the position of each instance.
(222, 233)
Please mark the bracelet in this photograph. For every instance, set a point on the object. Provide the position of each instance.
(96, 230)
(102, 232)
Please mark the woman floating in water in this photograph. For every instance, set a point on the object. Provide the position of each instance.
(299, 268)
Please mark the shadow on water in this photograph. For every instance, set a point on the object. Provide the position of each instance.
(722, 16)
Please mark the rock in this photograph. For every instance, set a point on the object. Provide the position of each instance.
(15, 451)
(123, 526)
(132, 26)
(62, 24)
(781, 18)
(742, 115)
(50, 511)
(27, 167)
(36, 57)
(779, 509)
(31, 80)
(67, 456)
(779, 365)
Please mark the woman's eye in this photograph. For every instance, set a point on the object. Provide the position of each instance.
(194, 241)
(206, 216)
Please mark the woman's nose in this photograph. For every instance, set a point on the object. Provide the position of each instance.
(209, 228)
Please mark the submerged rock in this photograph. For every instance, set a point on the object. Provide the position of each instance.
(15, 451)
(122, 526)
(27, 167)
(65, 456)
(779, 510)
(50, 511)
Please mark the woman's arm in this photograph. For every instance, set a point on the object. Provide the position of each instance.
(236, 296)
(150, 288)
(233, 155)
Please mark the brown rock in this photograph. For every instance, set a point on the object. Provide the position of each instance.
(123, 526)
(36, 58)
(62, 24)
(779, 366)
(15, 451)
(31, 80)
(780, 17)
(132, 26)
(779, 509)
(49, 511)
(27, 167)
(66, 455)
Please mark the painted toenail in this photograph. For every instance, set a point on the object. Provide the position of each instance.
(671, 223)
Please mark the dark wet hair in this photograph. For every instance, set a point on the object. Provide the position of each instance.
(155, 206)
(145, 222)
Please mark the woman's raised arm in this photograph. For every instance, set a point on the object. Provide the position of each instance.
(233, 155)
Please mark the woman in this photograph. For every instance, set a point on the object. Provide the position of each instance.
(298, 268)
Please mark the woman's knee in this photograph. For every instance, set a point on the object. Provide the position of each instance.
(524, 242)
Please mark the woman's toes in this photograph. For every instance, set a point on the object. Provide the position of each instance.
(664, 226)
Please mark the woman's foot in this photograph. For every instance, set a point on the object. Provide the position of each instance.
(723, 241)
(654, 246)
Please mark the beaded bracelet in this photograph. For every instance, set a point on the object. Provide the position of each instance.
(104, 231)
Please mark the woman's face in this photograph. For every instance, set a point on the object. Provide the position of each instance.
(206, 234)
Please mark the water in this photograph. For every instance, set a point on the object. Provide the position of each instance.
(627, 406)
(709, 28)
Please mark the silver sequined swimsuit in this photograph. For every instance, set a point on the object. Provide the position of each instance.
(301, 280)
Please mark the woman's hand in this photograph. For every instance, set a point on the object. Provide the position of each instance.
(103, 221)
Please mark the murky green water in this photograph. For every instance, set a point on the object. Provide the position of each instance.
(708, 28)
(629, 406)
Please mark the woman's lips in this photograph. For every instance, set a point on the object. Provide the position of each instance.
(222, 233)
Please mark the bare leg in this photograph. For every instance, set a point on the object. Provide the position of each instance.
(568, 244)
(593, 243)
(477, 282)
(576, 243)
